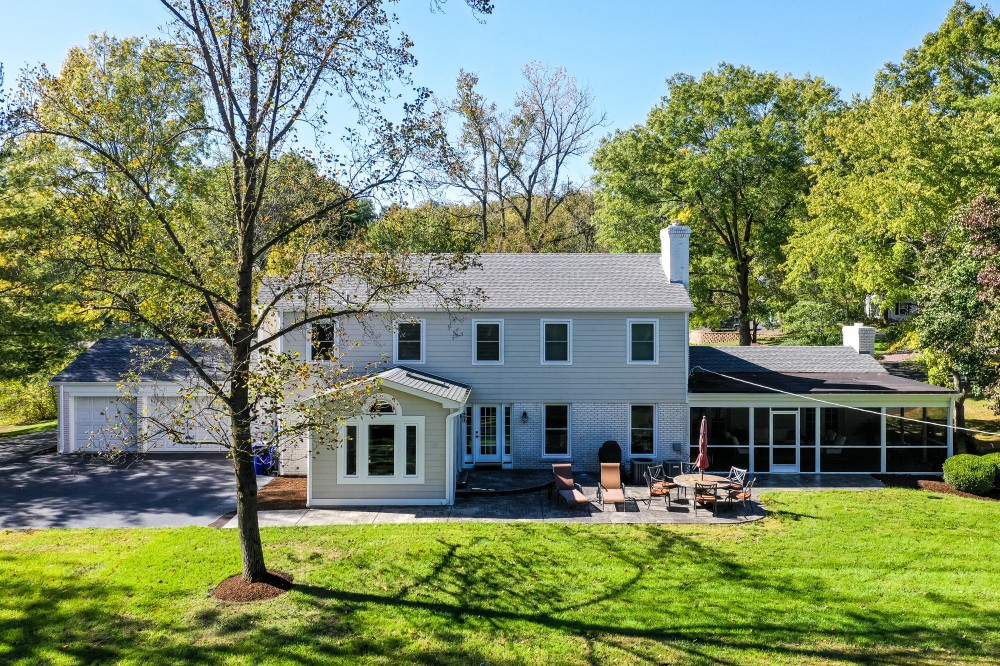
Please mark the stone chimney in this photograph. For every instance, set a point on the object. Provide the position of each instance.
(860, 337)
(675, 242)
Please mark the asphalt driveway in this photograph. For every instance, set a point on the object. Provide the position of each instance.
(79, 491)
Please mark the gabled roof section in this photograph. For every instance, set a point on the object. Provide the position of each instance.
(114, 359)
(409, 379)
(631, 282)
(783, 359)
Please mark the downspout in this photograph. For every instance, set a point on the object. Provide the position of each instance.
(452, 445)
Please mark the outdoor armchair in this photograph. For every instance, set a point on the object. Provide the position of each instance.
(610, 489)
(659, 485)
(745, 495)
(566, 488)
(736, 478)
(706, 493)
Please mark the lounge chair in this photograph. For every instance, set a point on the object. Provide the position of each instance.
(659, 485)
(611, 490)
(706, 493)
(566, 488)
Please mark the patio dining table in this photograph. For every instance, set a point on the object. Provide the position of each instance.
(689, 480)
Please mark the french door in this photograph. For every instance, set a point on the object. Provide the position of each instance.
(784, 441)
(487, 434)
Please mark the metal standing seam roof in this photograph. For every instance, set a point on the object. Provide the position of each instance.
(426, 383)
(536, 282)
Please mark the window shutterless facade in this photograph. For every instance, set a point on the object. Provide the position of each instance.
(322, 340)
(383, 447)
(487, 342)
(557, 341)
(642, 430)
(409, 341)
(643, 339)
(556, 429)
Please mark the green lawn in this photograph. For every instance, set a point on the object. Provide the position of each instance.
(11, 431)
(877, 577)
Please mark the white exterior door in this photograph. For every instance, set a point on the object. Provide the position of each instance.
(103, 423)
(784, 441)
(487, 433)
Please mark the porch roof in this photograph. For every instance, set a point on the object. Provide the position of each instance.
(809, 383)
(416, 380)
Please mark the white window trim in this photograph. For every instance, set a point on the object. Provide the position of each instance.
(569, 431)
(423, 342)
(656, 341)
(569, 341)
(400, 423)
(656, 443)
(475, 340)
(309, 342)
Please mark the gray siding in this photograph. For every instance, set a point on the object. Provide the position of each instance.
(324, 462)
(599, 373)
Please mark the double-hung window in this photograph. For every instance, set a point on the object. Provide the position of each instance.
(556, 431)
(557, 341)
(409, 342)
(642, 341)
(487, 342)
(323, 340)
(642, 430)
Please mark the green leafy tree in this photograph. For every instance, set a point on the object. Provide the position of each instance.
(158, 245)
(725, 153)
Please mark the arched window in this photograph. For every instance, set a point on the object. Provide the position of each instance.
(382, 404)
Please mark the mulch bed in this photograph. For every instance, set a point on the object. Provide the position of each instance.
(933, 484)
(282, 494)
(237, 590)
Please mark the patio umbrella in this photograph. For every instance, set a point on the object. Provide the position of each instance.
(701, 462)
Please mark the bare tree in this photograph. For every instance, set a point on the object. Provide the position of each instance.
(180, 256)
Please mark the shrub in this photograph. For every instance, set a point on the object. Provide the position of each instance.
(26, 402)
(994, 458)
(970, 474)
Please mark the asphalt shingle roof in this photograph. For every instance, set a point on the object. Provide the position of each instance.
(427, 383)
(783, 359)
(544, 282)
(114, 359)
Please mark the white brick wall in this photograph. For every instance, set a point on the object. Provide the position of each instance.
(591, 425)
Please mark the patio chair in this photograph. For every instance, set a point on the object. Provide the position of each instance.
(689, 468)
(566, 488)
(673, 469)
(736, 478)
(659, 485)
(706, 493)
(744, 495)
(610, 489)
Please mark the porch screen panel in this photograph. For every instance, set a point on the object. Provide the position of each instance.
(762, 439)
(381, 450)
(728, 436)
(851, 440)
(913, 446)
(807, 439)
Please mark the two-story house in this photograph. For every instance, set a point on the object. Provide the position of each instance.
(566, 352)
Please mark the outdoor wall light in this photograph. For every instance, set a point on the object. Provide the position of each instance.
(524, 417)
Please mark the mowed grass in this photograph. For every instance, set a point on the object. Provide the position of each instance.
(14, 430)
(877, 577)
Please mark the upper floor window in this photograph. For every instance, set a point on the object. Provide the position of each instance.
(557, 341)
(487, 342)
(323, 340)
(642, 430)
(642, 341)
(409, 341)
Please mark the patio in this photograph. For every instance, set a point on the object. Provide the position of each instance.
(532, 506)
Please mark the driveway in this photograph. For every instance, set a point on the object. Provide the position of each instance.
(78, 491)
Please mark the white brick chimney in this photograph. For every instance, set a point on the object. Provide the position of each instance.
(860, 337)
(675, 242)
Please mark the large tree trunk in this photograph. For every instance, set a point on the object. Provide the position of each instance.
(962, 439)
(251, 547)
(743, 289)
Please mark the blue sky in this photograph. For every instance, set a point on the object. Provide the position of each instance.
(623, 50)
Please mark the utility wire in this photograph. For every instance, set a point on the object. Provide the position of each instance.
(837, 404)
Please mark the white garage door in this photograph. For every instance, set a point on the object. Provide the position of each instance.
(103, 423)
(199, 426)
